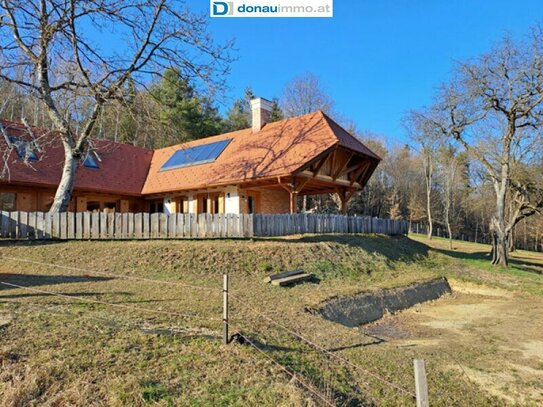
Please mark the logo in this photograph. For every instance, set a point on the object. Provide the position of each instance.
(222, 8)
(272, 8)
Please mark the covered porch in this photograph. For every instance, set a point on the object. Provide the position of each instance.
(339, 170)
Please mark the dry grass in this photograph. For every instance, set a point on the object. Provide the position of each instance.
(60, 352)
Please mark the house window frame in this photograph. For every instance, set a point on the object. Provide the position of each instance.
(155, 204)
(3, 204)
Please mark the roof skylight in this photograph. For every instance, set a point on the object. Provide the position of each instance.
(90, 161)
(24, 150)
(201, 154)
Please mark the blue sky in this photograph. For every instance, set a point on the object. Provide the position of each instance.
(378, 58)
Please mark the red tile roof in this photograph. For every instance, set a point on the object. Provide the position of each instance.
(123, 168)
(279, 149)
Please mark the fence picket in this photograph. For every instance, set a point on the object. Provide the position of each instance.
(69, 225)
(138, 226)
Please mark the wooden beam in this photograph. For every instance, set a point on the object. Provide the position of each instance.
(293, 203)
(287, 187)
(333, 161)
(319, 166)
(349, 169)
(327, 178)
(363, 167)
(345, 195)
(336, 174)
(343, 199)
(363, 179)
(298, 187)
(315, 160)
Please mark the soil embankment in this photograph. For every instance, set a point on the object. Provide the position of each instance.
(366, 307)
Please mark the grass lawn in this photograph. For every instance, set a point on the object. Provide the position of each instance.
(483, 344)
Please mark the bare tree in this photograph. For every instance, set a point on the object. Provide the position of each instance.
(428, 178)
(424, 135)
(301, 95)
(304, 94)
(62, 48)
(494, 109)
(448, 171)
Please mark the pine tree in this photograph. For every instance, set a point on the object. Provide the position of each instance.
(276, 113)
(239, 115)
(184, 113)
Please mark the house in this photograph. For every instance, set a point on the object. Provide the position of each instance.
(262, 169)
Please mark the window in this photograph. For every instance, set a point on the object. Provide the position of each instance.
(216, 204)
(201, 154)
(182, 204)
(91, 161)
(8, 201)
(93, 206)
(204, 204)
(251, 204)
(156, 207)
(24, 149)
(110, 207)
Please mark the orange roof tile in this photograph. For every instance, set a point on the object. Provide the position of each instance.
(279, 149)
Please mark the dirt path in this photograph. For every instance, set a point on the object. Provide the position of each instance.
(494, 336)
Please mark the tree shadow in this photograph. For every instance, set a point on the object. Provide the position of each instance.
(34, 280)
(29, 243)
(36, 295)
(376, 341)
(393, 248)
(531, 267)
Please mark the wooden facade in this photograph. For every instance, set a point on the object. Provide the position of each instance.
(262, 171)
(36, 199)
(337, 171)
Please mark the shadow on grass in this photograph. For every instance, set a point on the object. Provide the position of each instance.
(32, 280)
(70, 294)
(527, 266)
(28, 243)
(394, 248)
(376, 341)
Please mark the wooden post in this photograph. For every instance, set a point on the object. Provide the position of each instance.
(293, 202)
(421, 386)
(225, 310)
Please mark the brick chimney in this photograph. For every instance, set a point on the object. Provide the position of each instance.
(260, 109)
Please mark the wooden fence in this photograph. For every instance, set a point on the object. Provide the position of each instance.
(283, 225)
(107, 226)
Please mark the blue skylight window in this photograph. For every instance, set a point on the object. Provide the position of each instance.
(202, 154)
(24, 150)
(90, 161)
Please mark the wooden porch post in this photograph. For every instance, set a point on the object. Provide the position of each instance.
(345, 196)
(293, 189)
(293, 202)
(343, 204)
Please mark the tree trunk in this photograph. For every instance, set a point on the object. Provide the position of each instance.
(500, 241)
(65, 187)
(449, 231)
(512, 242)
(501, 253)
(428, 177)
